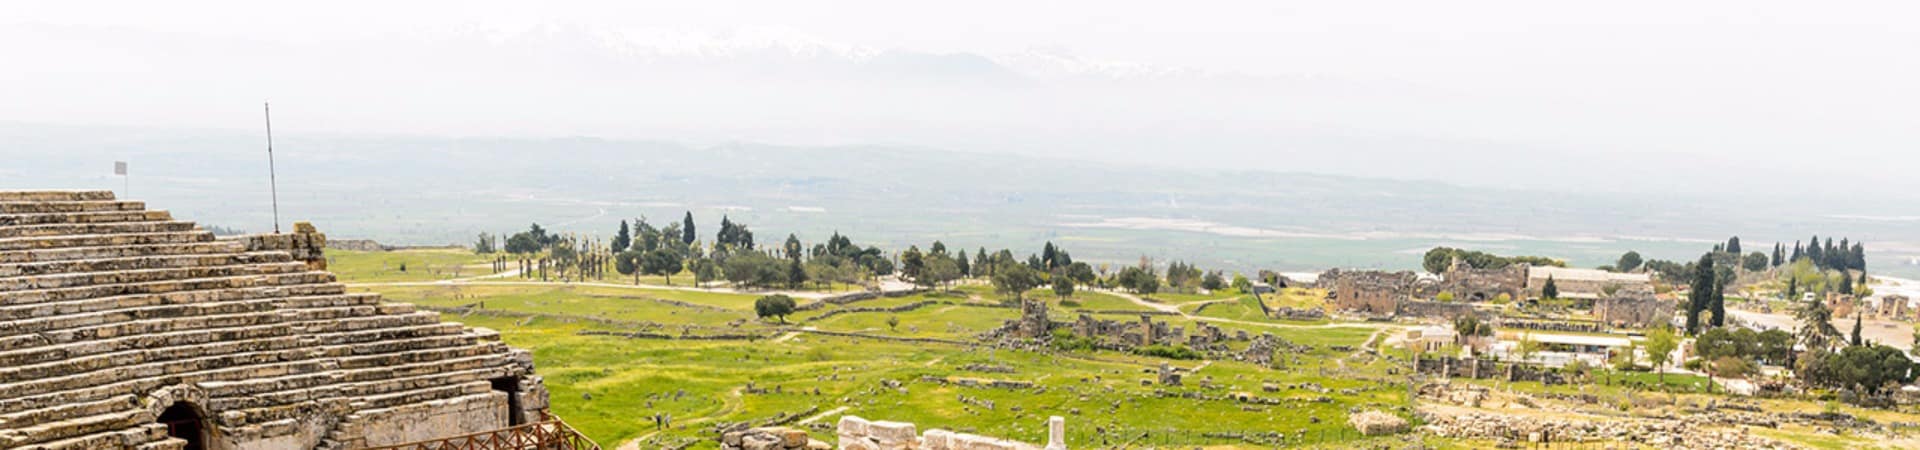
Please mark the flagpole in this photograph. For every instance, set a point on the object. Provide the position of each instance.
(273, 179)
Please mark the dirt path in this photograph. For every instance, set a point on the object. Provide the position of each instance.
(478, 281)
(821, 415)
(1176, 310)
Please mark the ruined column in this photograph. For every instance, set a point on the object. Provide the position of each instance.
(1056, 433)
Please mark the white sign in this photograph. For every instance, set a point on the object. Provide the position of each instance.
(119, 167)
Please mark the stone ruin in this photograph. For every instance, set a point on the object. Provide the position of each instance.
(121, 327)
(1373, 293)
(1122, 335)
(1468, 284)
(860, 434)
(1634, 309)
(770, 438)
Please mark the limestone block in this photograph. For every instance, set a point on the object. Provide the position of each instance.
(789, 437)
(936, 439)
(853, 426)
(816, 444)
(886, 432)
(858, 443)
(760, 442)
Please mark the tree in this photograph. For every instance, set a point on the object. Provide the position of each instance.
(527, 242)
(912, 262)
(1062, 285)
(1793, 287)
(796, 275)
(484, 244)
(792, 247)
(1527, 346)
(893, 323)
(1779, 255)
(1015, 280)
(1213, 281)
(628, 263)
(776, 305)
(622, 238)
(1816, 325)
(1437, 260)
(705, 270)
(966, 268)
(1628, 261)
(1550, 290)
(687, 235)
(1868, 368)
(1856, 330)
(1700, 293)
(1661, 343)
(1081, 273)
(1242, 284)
(1755, 262)
(1718, 304)
(1733, 245)
(1846, 282)
(937, 270)
(661, 262)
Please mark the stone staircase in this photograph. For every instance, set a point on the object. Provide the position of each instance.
(110, 313)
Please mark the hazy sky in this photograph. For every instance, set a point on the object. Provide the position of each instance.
(1539, 94)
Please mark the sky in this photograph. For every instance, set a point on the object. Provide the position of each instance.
(1735, 96)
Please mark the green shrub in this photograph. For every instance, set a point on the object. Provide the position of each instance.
(1167, 351)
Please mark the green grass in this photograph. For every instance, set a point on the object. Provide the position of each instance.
(422, 265)
(607, 386)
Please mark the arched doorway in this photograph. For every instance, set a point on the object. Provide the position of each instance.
(184, 422)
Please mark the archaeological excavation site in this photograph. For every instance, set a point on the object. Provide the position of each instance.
(123, 327)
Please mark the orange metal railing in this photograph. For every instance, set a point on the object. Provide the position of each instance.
(551, 434)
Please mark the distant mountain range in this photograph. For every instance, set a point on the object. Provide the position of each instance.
(412, 190)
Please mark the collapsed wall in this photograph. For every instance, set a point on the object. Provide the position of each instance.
(122, 327)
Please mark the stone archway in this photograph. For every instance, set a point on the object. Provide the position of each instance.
(185, 421)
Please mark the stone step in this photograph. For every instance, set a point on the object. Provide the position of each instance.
(396, 345)
(26, 351)
(7, 207)
(377, 322)
(122, 251)
(140, 263)
(25, 297)
(332, 300)
(348, 312)
(423, 395)
(55, 196)
(412, 356)
(139, 437)
(58, 323)
(329, 293)
(33, 282)
(70, 229)
(73, 427)
(83, 217)
(104, 240)
(351, 338)
(59, 411)
(33, 394)
(81, 358)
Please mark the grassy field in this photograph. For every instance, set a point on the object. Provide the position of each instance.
(610, 387)
(421, 265)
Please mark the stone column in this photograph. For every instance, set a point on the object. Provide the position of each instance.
(1056, 433)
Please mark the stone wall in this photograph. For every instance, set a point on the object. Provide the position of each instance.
(1633, 309)
(1468, 284)
(861, 434)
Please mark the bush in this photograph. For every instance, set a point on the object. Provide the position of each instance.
(1167, 351)
(1065, 340)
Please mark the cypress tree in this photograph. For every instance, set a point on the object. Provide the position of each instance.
(687, 234)
(1856, 330)
(1798, 252)
(1700, 292)
(1733, 245)
(622, 239)
(1813, 253)
(1549, 290)
(1719, 305)
(1846, 282)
